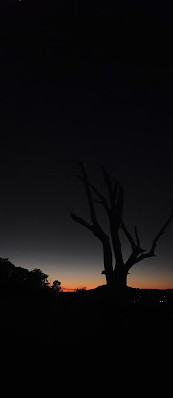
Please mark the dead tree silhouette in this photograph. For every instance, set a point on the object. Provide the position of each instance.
(116, 276)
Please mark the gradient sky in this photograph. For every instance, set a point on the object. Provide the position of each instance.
(92, 82)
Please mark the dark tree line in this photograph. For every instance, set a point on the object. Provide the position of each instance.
(116, 273)
(19, 280)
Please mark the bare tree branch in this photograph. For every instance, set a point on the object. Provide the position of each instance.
(116, 195)
(81, 221)
(107, 252)
(161, 231)
(135, 245)
(102, 201)
(114, 212)
(89, 195)
(136, 249)
(151, 253)
(111, 186)
(135, 257)
(107, 179)
(120, 202)
(129, 236)
(137, 236)
(95, 227)
(115, 189)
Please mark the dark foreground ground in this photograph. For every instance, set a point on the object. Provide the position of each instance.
(90, 329)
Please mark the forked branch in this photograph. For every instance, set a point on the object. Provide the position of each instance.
(138, 254)
(151, 253)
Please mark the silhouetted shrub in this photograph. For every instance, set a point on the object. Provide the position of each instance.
(56, 286)
(81, 289)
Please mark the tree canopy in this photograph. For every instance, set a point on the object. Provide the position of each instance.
(19, 280)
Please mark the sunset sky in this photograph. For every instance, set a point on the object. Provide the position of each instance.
(91, 81)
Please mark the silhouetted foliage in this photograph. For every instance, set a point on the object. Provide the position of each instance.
(20, 281)
(37, 279)
(81, 289)
(56, 286)
(116, 274)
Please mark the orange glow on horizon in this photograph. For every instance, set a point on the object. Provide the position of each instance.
(163, 287)
(140, 281)
(136, 284)
(72, 288)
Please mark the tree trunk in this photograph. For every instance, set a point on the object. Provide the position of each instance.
(119, 279)
(108, 268)
(119, 291)
(116, 279)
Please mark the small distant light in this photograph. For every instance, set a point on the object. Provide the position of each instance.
(160, 301)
